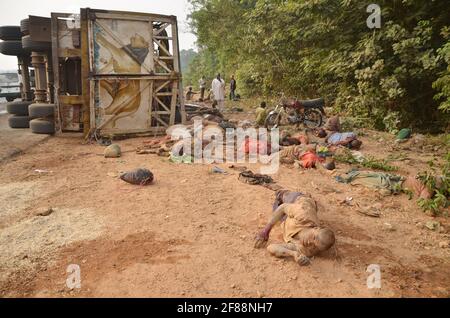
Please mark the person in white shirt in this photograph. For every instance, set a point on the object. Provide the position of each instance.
(218, 88)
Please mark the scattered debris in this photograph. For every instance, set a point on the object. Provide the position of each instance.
(254, 178)
(216, 169)
(46, 212)
(433, 225)
(180, 159)
(42, 171)
(372, 211)
(140, 176)
(238, 168)
(112, 151)
(389, 227)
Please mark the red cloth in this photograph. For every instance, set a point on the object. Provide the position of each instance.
(309, 159)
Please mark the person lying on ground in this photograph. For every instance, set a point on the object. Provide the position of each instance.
(346, 139)
(388, 183)
(309, 159)
(286, 139)
(303, 236)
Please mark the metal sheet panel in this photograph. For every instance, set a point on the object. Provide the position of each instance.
(134, 81)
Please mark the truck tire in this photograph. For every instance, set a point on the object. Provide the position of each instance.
(19, 108)
(16, 121)
(10, 33)
(42, 126)
(25, 26)
(10, 99)
(41, 110)
(11, 48)
(35, 46)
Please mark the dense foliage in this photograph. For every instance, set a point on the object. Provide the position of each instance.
(397, 75)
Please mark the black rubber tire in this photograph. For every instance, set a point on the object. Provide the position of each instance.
(272, 121)
(10, 99)
(19, 108)
(10, 33)
(15, 121)
(11, 48)
(313, 118)
(312, 103)
(42, 126)
(25, 26)
(35, 46)
(41, 110)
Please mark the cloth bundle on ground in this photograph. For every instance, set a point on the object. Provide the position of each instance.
(140, 176)
(288, 155)
(333, 124)
(371, 179)
(254, 178)
(309, 158)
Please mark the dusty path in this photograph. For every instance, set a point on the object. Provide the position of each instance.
(191, 232)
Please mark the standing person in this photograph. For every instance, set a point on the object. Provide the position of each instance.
(218, 88)
(202, 84)
(232, 88)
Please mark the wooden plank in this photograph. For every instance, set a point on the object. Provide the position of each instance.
(156, 77)
(164, 65)
(55, 61)
(162, 86)
(162, 104)
(85, 61)
(162, 47)
(162, 28)
(71, 99)
(66, 52)
(135, 16)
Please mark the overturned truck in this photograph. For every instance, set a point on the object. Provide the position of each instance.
(103, 73)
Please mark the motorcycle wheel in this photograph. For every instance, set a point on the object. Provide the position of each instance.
(313, 118)
(272, 121)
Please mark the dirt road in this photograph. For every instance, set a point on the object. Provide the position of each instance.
(190, 234)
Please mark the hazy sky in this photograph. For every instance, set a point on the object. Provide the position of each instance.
(12, 11)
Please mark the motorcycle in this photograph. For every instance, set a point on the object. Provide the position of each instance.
(295, 112)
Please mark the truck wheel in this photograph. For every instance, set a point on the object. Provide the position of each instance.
(10, 33)
(42, 126)
(41, 110)
(19, 108)
(10, 99)
(16, 121)
(25, 26)
(11, 48)
(35, 46)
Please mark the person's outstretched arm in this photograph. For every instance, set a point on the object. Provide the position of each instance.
(263, 236)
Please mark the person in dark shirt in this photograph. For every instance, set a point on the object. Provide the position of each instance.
(232, 88)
